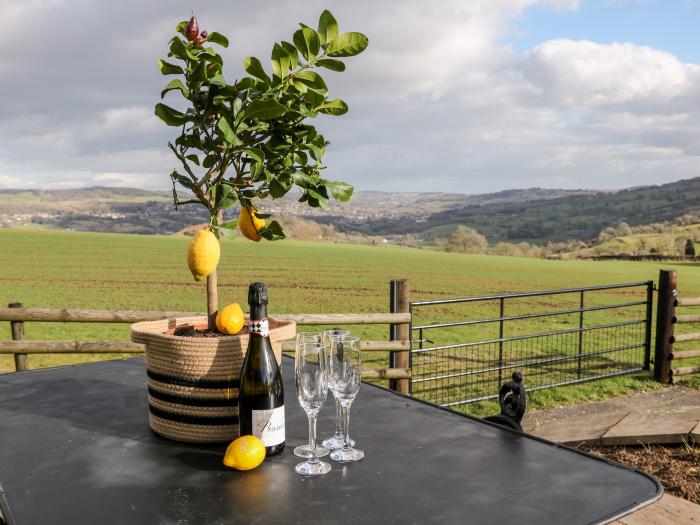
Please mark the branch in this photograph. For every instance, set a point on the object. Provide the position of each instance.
(189, 201)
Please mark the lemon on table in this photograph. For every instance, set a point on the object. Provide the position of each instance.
(245, 453)
(250, 224)
(230, 319)
(203, 254)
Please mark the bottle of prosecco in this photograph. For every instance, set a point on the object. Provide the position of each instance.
(261, 394)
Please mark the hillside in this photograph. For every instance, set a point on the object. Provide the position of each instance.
(577, 216)
(531, 215)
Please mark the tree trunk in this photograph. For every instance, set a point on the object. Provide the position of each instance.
(212, 289)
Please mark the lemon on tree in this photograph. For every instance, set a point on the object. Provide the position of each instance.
(203, 254)
(250, 224)
(245, 453)
(230, 319)
(243, 141)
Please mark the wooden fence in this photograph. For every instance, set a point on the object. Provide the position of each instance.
(398, 345)
(665, 369)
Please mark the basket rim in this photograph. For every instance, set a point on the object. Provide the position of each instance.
(143, 328)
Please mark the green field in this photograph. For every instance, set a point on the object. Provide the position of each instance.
(111, 271)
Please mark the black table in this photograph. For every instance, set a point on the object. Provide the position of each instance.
(75, 448)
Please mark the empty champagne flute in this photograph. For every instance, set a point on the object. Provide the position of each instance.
(344, 379)
(336, 440)
(304, 451)
(312, 389)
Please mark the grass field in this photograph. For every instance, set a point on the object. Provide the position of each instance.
(110, 271)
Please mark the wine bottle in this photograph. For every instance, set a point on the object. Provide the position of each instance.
(261, 394)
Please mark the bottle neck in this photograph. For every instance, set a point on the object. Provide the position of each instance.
(259, 325)
(258, 312)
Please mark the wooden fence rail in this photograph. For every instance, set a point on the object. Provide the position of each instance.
(108, 316)
(399, 345)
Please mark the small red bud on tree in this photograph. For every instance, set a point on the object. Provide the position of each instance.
(192, 31)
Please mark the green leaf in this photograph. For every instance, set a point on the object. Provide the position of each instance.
(253, 67)
(264, 109)
(227, 131)
(225, 197)
(277, 189)
(292, 53)
(210, 160)
(302, 179)
(170, 116)
(166, 68)
(193, 158)
(256, 154)
(217, 38)
(333, 107)
(182, 27)
(307, 42)
(176, 84)
(180, 50)
(347, 45)
(182, 180)
(227, 229)
(327, 27)
(312, 81)
(329, 63)
(280, 60)
(341, 191)
(273, 231)
(218, 80)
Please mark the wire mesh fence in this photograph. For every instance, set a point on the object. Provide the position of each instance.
(463, 349)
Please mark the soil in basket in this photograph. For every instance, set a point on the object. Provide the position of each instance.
(192, 331)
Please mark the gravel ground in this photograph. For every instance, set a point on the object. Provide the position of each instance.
(676, 467)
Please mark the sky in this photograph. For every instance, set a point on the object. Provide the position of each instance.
(468, 96)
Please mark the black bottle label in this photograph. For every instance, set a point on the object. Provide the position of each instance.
(260, 327)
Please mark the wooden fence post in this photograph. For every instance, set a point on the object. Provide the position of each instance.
(17, 330)
(665, 312)
(399, 298)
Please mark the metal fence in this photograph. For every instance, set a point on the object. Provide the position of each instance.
(463, 349)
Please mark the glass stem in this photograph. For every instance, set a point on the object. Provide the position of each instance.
(338, 419)
(312, 439)
(346, 421)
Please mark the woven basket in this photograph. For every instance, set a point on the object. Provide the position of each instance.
(193, 381)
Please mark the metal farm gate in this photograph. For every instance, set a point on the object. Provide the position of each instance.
(463, 349)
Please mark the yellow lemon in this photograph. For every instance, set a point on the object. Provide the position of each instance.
(203, 254)
(229, 320)
(250, 224)
(245, 453)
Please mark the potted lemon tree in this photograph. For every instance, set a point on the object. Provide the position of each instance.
(239, 143)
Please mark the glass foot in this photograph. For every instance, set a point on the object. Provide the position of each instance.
(347, 455)
(304, 451)
(335, 442)
(313, 469)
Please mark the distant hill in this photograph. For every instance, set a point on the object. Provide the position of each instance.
(577, 215)
(534, 215)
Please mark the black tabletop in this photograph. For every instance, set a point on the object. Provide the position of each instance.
(75, 448)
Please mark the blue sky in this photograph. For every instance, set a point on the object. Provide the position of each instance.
(468, 96)
(671, 25)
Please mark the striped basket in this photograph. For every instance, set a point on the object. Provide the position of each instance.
(192, 381)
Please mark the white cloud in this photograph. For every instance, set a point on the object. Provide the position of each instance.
(437, 102)
(586, 73)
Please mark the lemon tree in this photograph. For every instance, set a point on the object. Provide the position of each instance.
(251, 139)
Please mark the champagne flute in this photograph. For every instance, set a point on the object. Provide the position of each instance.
(312, 389)
(344, 378)
(304, 451)
(336, 440)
